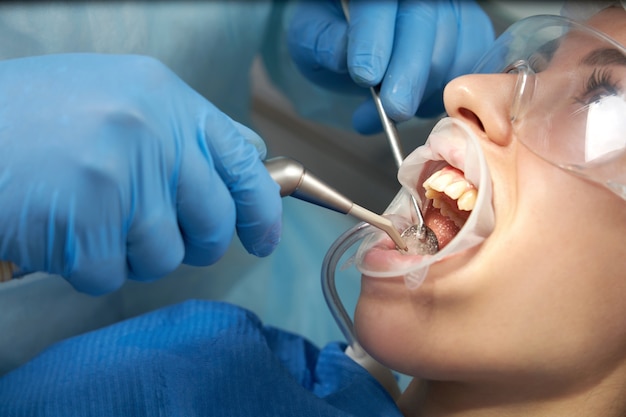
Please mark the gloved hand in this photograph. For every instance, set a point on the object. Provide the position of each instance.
(412, 47)
(113, 168)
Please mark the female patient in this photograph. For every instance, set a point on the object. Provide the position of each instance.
(529, 320)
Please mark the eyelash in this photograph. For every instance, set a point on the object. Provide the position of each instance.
(600, 84)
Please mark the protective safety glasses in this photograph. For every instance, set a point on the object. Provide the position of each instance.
(569, 103)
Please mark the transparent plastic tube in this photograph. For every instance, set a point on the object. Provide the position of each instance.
(329, 289)
(354, 351)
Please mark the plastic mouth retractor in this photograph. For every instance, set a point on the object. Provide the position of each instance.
(453, 143)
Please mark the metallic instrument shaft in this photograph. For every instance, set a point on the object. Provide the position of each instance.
(296, 181)
(392, 137)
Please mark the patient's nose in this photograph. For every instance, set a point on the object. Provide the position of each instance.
(484, 101)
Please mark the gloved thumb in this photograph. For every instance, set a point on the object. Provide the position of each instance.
(256, 195)
(253, 139)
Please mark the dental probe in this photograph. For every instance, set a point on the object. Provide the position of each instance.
(428, 243)
(296, 181)
(427, 238)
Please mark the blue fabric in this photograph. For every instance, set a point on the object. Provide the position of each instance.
(197, 358)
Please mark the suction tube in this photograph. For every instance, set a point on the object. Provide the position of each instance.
(329, 289)
(382, 374)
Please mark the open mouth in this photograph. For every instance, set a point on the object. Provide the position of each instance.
(450, 199)
(451, 181)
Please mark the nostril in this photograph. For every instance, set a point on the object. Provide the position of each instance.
(483, 101)
(471, 117)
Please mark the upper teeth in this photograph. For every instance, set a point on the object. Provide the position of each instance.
(452, 183)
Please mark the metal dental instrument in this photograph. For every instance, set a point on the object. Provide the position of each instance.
(296, 181)
(426, 240)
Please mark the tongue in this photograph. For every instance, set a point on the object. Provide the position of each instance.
(444, 228)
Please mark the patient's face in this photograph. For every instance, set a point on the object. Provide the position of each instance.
(543, 296)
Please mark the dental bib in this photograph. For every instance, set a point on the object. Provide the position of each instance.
(451, 143)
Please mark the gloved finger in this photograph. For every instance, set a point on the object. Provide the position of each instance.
(445, 47)
(97, 264)
(89, 253)
(370, 40)
(317, 42)
(253, 139)
(206, 210)
(154, 246)
(257, 197)
(464, 32)
(366, 120)
(472, 39)
(92, 250)
(317, 32)
(409, 68)
(259, 227)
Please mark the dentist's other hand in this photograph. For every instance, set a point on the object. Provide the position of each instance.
(112, 168)
(412, 48)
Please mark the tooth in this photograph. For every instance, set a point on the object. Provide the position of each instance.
(450, 181)
(445, 210)
(431, 194)
(468, 200)
(442, 181)
(456, 189)
(430, 179)
(449, 212)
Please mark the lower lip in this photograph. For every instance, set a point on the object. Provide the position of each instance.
(385, 258)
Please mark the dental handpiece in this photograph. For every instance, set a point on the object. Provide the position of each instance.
(296, 181)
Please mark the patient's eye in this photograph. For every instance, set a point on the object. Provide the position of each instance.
(600, 84)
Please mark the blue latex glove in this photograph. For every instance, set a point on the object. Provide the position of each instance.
(112, 168)
(412, 47)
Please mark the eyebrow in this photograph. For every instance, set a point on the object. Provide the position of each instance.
(604, 57)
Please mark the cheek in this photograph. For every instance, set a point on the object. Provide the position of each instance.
(555, 218)
(559, 274)
(560, 231)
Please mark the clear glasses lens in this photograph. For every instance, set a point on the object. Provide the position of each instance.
(569, 105)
